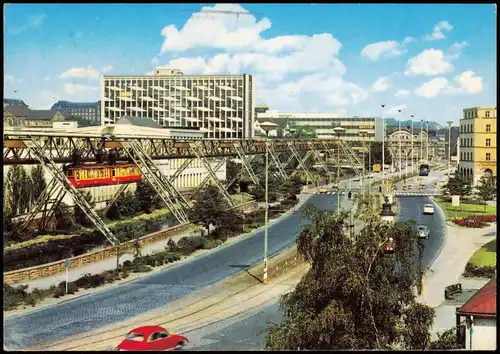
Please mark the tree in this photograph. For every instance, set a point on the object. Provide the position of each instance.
(18, 190)
(376, 153)
(486, 189)
(209, 208)
(38, 182)
(232, 171)
(457, 186)
(127, 204)
(145, 194)
(80, 216)
(64, 220)
(355, 295)
(446, 340)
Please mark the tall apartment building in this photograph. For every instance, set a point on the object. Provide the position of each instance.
(478, 143)
(323, 124)
(88, 111)
(222, 104)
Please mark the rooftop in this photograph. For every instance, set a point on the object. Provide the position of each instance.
(484, 302)
(31, 114)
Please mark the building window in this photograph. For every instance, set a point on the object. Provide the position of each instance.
(488, 128)
(488, 156)
(488, 142)
(487, 114)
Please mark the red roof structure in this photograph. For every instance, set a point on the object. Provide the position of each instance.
(483, 303)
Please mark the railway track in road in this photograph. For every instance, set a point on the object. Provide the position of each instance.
(231, 298)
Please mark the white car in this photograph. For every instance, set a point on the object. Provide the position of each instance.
(423, 231)
(428, 209)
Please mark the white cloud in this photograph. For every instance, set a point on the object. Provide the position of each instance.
(13, 80)
(409, 40)
(433, 87)
(395, 110)
(381, 84)
(107, 68)
(438, 31)
(402, 93)
(455, 50)
(467, 84)
(387, 49)
(470, 83)
(34, 22)
(88, 72)
(222, 31)
(429, 62)
(155, 61)
(81, 90)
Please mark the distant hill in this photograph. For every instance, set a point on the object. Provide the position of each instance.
(390, 122)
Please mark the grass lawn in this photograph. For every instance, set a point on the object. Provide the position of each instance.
(242, 198)
(486, 256)
(465, 209)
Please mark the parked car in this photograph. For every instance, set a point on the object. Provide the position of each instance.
(154, 338)
(423, 231)
(428, 209)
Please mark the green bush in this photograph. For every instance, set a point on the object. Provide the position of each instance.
(160, 258)
(209, 244)
(172, 246)
(58, 292)
(90, 281)
(13, 296)
(124, 275)
(188, 245)
(141, 268)
(127, 264)
(472, 271)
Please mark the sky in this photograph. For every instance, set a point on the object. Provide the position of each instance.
(430, 61)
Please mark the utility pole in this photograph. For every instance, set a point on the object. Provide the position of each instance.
(400, 141)
(383, 146)
(421, 141)
(449, 147)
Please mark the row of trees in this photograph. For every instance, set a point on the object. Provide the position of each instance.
(486, 189)
(355, 295)
(22, 189)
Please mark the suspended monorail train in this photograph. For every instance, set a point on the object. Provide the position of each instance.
(102, 175)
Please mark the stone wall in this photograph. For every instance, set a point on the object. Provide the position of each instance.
(45, 270)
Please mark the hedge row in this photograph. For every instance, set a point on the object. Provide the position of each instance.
(472, 271)
(18, 296)
(55, 250)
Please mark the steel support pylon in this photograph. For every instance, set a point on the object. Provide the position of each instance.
(208, 177)
(318, 157)
(301, 161)
(177, 173)
(246, 164)
(65, 183)
(281, 171)
(351, 156)
(238, 175)
(158, 181)
(195, 148)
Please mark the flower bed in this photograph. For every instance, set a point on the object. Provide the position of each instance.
(475, 221)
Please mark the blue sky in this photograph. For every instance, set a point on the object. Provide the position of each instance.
(428, 60)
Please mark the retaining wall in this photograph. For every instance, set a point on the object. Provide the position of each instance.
(45, 270)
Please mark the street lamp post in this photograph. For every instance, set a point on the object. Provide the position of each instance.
(449, 146)
(363, 133)
(383, 144)
(399, 137)
(427, 144)
(267, 127)
(421, 141)
(412, 153)
(338, 131)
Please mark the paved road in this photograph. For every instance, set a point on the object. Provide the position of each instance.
(131, 299)
(246, 331)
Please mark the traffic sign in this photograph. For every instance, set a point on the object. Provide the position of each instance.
(67, 264)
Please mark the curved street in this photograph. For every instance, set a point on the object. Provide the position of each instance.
(246, 331)
(151, 292)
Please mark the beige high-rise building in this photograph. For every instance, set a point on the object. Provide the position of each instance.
(221, 104)
(478, 143)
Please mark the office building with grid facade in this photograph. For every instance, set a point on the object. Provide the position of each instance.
(221, 104)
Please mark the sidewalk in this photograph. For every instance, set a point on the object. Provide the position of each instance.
(448, 267)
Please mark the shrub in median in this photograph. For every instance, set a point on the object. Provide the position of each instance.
(141, 268)
(472, 271)
(188, 245)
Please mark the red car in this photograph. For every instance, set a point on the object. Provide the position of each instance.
(152, 338)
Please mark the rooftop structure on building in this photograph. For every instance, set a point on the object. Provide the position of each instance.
(323, 124)
(221, 104)
(13, 102)
(483, 303)
(31, 114)
(87, 111)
